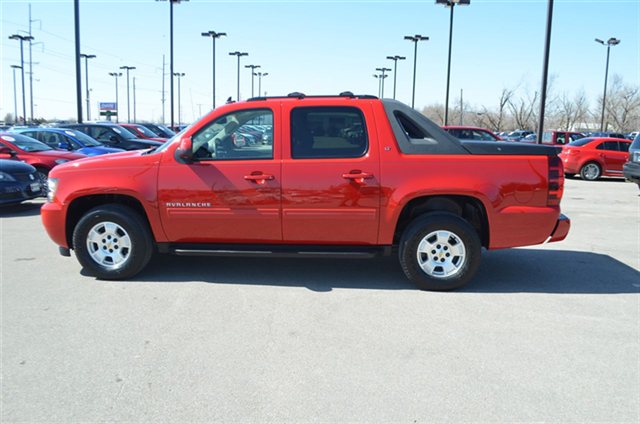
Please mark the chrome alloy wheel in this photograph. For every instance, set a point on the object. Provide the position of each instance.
(591, 171)
(441, 254)
(109, 245)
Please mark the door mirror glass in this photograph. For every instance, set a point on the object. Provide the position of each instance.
(184, 153)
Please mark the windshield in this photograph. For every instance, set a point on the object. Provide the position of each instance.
(581, 142)
(25, 143)
(166, 130)
(145, 131)
(123, 132)
(636, 143)
(83, 138)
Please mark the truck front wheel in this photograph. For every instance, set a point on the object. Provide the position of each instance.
(440, 251)
(112, 242)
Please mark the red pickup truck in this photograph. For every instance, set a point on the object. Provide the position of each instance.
(344, 176)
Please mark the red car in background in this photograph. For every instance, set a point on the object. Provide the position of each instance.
(141, 131)
(471, 133)
(35, 153)
(593, 158)
(560, 137)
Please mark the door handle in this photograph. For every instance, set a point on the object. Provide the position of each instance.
(259, 178)
(357, 176)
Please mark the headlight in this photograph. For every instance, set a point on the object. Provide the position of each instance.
(60, 161)
(4, 177)
(635, 156)
(52, 186)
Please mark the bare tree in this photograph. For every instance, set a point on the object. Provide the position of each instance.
(623, 105)
(524, 110)
(572, 110)
(495, 120)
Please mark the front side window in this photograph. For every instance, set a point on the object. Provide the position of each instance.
(242, 135)
(328, 132)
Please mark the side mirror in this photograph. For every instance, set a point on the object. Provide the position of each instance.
(7, 151)
(184, 152)
(64, 145)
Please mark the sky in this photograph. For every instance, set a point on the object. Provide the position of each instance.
(314, 47)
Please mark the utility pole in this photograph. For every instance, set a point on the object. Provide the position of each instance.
(545, 71)
(134, 100)
(22, 39)
(382, 72)
(15, 97)
(115, 75)
(253, 68)
(239, 55)
(214, 35)
(610, 42)
(414, 39)
(76, 14)
(163, 98)
(86, 73)
(179, 75)
(461, 107)
(31, 62)
(128, 68)
(395, 59)
(260, 75)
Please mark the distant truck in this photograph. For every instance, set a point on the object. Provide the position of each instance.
(560, 137)
(344, 176)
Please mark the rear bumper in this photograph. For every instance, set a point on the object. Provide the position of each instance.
(561, 229)
(631, 171)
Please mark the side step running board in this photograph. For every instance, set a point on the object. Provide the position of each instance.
(280, 251)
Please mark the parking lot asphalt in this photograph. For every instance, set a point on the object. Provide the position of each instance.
(544, 333)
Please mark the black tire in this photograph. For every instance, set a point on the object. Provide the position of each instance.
(587, 175)
(567, 175)
(422, 227)
(131, 225)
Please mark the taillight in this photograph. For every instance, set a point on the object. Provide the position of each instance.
(556, 181)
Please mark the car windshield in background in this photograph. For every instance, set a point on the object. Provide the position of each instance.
(28, 144)
(146, 131)
(83, 138)
(123, 132)
(581, 142)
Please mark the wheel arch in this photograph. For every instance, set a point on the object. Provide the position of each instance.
(469, 208)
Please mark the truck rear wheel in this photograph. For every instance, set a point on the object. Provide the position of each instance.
(440, 251)
(112, 242)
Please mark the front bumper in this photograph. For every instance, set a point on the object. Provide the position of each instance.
(53, 219)
(561, 229)
(631, 171)
(16, 192)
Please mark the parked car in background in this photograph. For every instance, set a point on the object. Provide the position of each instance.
(517, 135)
(631, 169)
(595, 157)
(37, 154)
(632, 135)
(178, 128)
(158, 129)
(471, 133)
(560, 137)
(113, 135)
(604, 134)
(66, 139)
(18, 182)
(531, 139)
(141, 131)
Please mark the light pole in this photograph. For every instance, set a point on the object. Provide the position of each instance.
(610, 42)
(253, 68)
(239, 55)
(179, 75)
(382, 72)
(415, 39)
(128, 68)
(15, 97)
(451, 4)
(134, 100)
(86, 58)
(213, 36)
(171, 2)
(76, 18)
(260, 75)
(115, 75)
(545, 72)
(22, 39)
(395, 70)
(380, 78)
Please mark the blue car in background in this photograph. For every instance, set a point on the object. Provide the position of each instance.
(67, 139)
(18, 182)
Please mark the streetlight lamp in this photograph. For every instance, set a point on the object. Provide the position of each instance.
(253, 68)
(15, 97)
(179, 75)
(22, 39)
(239, 54)
(260, 75)
(213, 36)
(415, 39)
(86, 58)
(395, 70)
(380, 78)
(610, 42)
(382, 72)
(128, 68)
(115, 75)
(171, 73)
(451, 4)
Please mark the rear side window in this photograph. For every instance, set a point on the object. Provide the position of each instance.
(608, 145)
(328, 132)
(623, 147)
